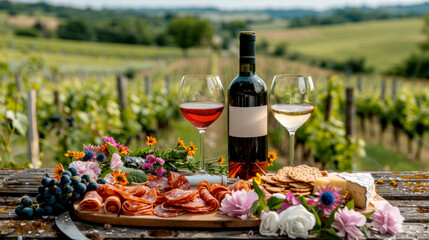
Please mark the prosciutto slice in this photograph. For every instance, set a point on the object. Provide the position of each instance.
(177, 180)
(91, 201)
(124, 194)
(112, 205)
(178, 195)
(132, 208)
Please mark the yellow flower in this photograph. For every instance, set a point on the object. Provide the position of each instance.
(272, 156)
(120, 178)
(181, 143)
(151, 141)
(69, 154)
(258, 179)
(191, 153)
(222, 160)
(59, 171)
(191, 149)
(79, 155)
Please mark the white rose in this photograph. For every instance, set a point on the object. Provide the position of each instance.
(279, 195)
(296, 221)
(269, 224)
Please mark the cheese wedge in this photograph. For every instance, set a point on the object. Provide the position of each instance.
(360, 187)
(332, 181)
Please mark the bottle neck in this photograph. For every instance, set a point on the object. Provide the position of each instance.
(247, 58)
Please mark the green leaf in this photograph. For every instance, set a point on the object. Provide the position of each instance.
(274, 203)
(365, 231)
(331, 217)
(141, 152)
(262, 205)
(254, 206)
(318, 221)
(369, 214)
(351, 204)
(103, 174)
(329, 233)
(112, 149)
(134, 175)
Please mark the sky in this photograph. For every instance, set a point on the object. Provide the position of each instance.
(229, 4)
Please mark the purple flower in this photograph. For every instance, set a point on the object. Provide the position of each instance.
(90, 168)
(160, 171)
(147, 166)
(328, 199)
(91, 148)
(116, 161)
(160, 161)
(238, 203)
(110, 140)
(346, 221)
(151, 159)
(290, 200)
(387, 219)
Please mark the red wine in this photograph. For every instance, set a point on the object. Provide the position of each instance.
(201, 114)
(247, 116)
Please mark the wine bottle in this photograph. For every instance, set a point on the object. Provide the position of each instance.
(247, 116)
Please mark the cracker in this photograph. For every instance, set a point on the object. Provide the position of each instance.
(283, 178)
(269, 180)
(305, 173)
(274, 189)
(301, 189)
(300, 185)
(296, 194)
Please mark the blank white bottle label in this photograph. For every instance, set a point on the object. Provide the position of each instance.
(248, 121)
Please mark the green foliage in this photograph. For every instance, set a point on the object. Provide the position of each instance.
(280, 49)
(134, 175)
(76, 29)
(190, 32)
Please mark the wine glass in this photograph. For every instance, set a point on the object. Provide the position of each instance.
(292, 101)
(201, 100)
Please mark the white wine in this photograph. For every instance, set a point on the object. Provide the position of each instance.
(292, 116)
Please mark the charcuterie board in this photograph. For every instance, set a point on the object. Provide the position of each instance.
(211, 220)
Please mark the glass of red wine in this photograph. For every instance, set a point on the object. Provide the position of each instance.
(201, 100)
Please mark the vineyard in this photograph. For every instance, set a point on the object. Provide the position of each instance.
(85, 91)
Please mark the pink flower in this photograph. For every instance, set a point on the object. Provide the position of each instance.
(328, 199)
(110, 140)
(346, 221)
(160, 171)
(291, 200)
(90, 168)
(91, 148)
(238, 203)
(311, 202)
(147, 166)
(160, 161)
(109, 178)
(151, 159)
(116, 161)
(387, 219)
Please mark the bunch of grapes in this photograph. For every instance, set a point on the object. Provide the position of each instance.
(57, 196)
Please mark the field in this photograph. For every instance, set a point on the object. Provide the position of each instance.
(382, 43)
(93, 101)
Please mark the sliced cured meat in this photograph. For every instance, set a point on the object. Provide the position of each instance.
(160, 183)
(179, 195)
(204, 184)
(150, 195)
(112, 205)
(161, 212)
(212, 204)
(137, 191)
(240, 184)
(91, 201)
(117, 189)
(192, 205)
(102, 193)
(177, 180)
(219, 191)
(132, 208)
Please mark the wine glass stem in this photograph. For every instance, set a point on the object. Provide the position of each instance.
(202, 163)
(291, 148)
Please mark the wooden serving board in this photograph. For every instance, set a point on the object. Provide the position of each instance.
(211, 220)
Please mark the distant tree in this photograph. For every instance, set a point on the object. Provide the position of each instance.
(280, 49)
(234, 27)
(189, 32)
(263, 45)
(76, 30)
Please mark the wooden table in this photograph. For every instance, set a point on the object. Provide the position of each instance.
(412, 201)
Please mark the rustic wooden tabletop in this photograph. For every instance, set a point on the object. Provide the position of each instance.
(410, 195)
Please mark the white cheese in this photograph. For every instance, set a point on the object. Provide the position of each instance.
(360, 187)
(332, 181)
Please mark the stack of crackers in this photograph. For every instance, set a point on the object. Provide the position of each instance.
(299, 180)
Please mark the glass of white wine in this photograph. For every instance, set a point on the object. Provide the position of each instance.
(292, 101)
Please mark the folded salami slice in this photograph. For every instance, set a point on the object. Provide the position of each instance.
(179, 195)
(112, 205)
(166, 212)
(239, 185)
(91, 201)
(133, 208)
(204, 184)
(219, 191)
(119, 190)
(212, 204)
(177, 180)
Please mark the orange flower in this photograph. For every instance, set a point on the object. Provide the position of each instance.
(103, 148)
(222, 160)
(59, 171)
(120, 178)
(191, 149)
(69, 154)
(181, 143)
(272, 156)
(79, 155)
(151, 141)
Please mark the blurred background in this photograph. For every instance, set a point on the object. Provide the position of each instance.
(74, 71)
